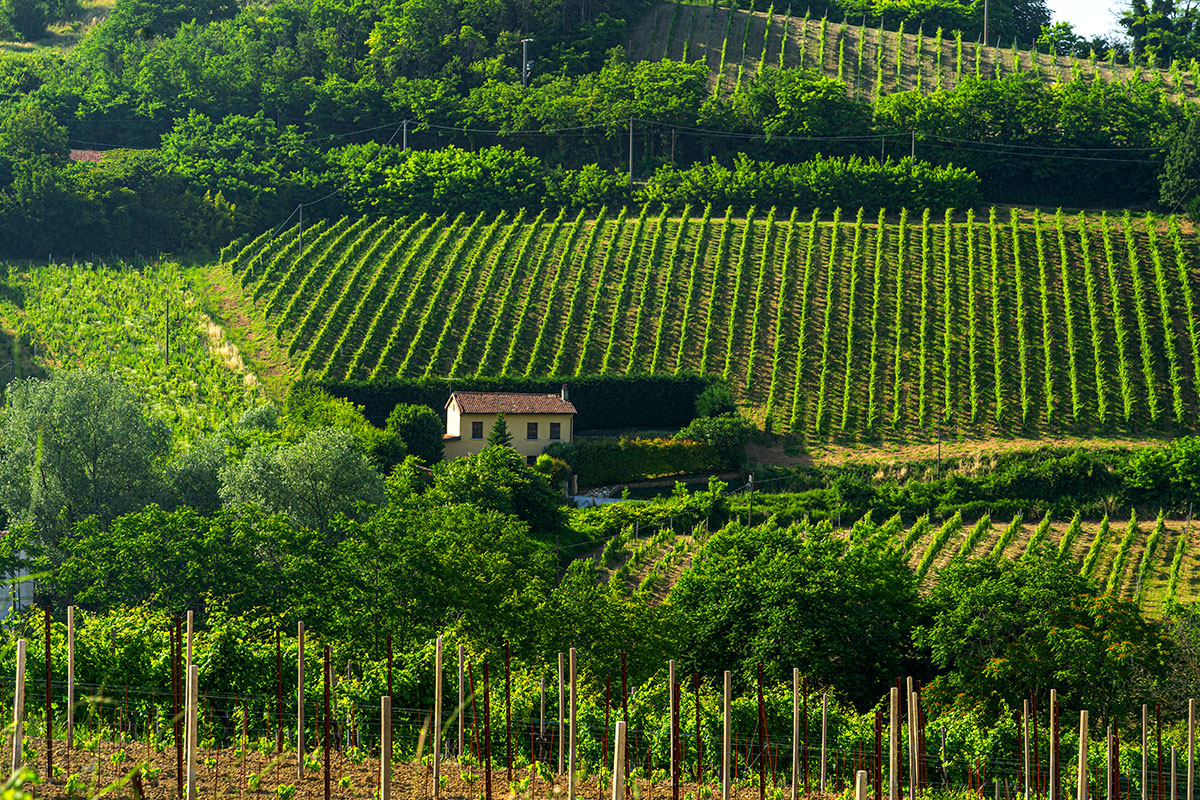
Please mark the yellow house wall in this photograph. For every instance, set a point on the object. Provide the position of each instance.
(466, 446)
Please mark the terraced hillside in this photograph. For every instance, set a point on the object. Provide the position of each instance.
(737, 42)
(1144, 560)
(1031, 323)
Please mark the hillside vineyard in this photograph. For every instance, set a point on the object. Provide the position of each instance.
(831, 325)
(736, 43)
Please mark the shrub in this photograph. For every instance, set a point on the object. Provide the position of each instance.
(726, 433)
(717, 399)
(420, 428)
(608, 461)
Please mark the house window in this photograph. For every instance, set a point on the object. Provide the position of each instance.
(555, 430)
(531, 430)
(476, 430)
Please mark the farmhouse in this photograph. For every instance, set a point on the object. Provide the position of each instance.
(533, 420)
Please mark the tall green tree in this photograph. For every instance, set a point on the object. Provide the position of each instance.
(1179, 184)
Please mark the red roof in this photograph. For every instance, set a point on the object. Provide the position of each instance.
(86, 155)
(510, 403)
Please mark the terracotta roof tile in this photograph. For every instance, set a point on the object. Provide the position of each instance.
(510, 403)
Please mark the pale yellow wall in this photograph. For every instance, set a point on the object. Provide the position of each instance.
(466, 446)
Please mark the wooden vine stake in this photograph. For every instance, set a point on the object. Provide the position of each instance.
(618, 774)
(193, 690)
(1191, 746)
(487, 734)
(327, 668)
(913, 767)
(824, 736)
(795, 732)
(300, 701)
(1081, 786)
(462, 702)
(672, 713)
(18, 708)
(49, 717)
(437, 717)
(571, 761)
(1025, 741)
(561, 703)
(1145, 752)
(894, 744)
(860, 785)
(385, 748)
(1174, 753)
(726, 737)
(70, 683)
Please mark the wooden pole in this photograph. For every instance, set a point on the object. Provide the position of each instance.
(1108, 763)
(676, 762)
(278, 695)
(1191, 747)
(860, 785)
(913, 768)
(878, 770)
(49, 715)
(571, 754)
(193, 690)
(18, 707)
(188, 665)
(1145, 752)
(561, 702)
(726, 737)
(762, 724)
(1081, 787)
(824, 736)
(1053, 744)
(795, 732)
(300, 703)
(1025, 741)
(508, 751)
(437, 718)
(1174, 752)
(625, 714)
(699, 740)
(894, 743)
(70, 683)
(177, 703)
(462, 701)
(385, 748)
(487, 734)
(327, 669)
(618, 774)
(672, 712)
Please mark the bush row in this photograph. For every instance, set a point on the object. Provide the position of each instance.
(599, 462)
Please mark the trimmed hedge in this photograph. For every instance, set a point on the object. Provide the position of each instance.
(600, 462)
(603, 402)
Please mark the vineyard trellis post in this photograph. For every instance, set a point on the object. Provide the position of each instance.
(70, 683)
(193, 690)
(625, 715)
(49, 718)
(508, 712)
(824, 736)
(1191, 746)
(188, 663)
(894, 744)
(860, 785)
(726, 737)
(326, 668)
(795, 730)
(1108, 762)
(437, 717)
(385, 748)
(1025, 742)
(18, 707)
(1053, 745)
(618, 775)
(1081, 792)
(300, 700)
(762, 754)
(1174, 753)
(913, 767)
(278, 694)
(559, 713)
(571, 754)
(672, 712)
(462, 703)
(1145, 752)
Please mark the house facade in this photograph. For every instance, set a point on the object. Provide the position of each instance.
(534, 421)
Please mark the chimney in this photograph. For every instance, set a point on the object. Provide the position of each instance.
(564, 393)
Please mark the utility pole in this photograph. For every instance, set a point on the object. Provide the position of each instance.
(914, 145)
(985, 21)
(404, 139)
(525, 70)
(631, 152)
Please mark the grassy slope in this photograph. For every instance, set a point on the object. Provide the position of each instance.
(443, 300)
(700, 36)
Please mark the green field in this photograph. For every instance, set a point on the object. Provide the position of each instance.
(737, 43)
(838, 328)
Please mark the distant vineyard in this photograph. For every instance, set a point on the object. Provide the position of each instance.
(120, 319)
(737, 43)
(1006, 322)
